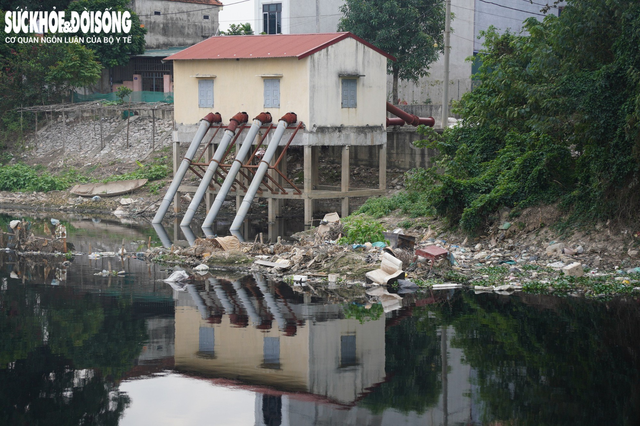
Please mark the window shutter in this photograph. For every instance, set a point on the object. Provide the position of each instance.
(271, 93)
(205, 93)
(349, 93)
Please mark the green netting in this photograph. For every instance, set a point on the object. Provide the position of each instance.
(135, 97)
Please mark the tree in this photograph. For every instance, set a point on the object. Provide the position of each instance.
(115, 53)
(410, 30)
(240, 29)
(555, 117)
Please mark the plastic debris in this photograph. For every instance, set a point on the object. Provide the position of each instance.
(96, 198)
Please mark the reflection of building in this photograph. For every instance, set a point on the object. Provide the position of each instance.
(286, 347)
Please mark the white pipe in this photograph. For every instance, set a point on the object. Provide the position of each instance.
(271, 302)
(222, 296)
(205, 123)
(204, 312)
(246, 301)
(162, 233)
(213, 166)
(233, 171)
(257, 179)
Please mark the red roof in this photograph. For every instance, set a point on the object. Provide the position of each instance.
(210, 2)
(266, 46)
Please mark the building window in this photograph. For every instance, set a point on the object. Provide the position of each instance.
(205, 93)
(157, 13)
(347, 350)
(207, 340)
(271, 352)
(271, 18)
(271, 93)
(349, 93)
(205, 17)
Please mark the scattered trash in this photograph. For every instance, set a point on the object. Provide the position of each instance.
(407, 287)
(14, 223)
(573, 270)
(96, 198)
(505, 226)
(55, 222)
(556, 265)
(390, 270)
(177, 276)
(201, 267)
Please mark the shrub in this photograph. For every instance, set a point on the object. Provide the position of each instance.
(360, 228)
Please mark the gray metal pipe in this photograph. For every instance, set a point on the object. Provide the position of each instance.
(246, 301)
(222, 296)
(205, 123)
(162, 233)
(234, 169)
(213, 166)
(202, 307)
(287, 119)
(271, 301)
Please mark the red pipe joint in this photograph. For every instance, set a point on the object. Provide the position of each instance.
(410, 119)
(235, 121)
(395, 122)
(263, 117)
(289, 117)
(213, 118)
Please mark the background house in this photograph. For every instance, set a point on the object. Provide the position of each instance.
(471, 18)
(171, 26)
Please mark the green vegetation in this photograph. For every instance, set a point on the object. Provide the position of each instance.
(239, 29)
(360, 228)
(20, 177)
(363, 313)
(411, 203)
(555, 117)
(410, 30)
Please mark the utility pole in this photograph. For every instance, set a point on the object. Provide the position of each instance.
(447, 49)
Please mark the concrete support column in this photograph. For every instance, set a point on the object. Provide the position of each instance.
(344, 184)
(383, 166)
(308, 184)
(137, 83)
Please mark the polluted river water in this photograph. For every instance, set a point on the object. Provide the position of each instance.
(104, 339)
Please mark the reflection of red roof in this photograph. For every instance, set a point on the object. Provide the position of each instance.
(210, 2)
(266, 46)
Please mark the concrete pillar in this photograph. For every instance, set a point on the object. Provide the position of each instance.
(383, 166)
(166, 83)
(308, 184)
(137, 83)
(344, 184)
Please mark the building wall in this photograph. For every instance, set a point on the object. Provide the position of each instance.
(179, 24)
(238, 86)
(286, 12)
(318, 16)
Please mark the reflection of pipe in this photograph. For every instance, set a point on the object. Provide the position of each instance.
(264, 117)
(248, 306)
(204, 312)
(222, 296)
(189, 235)
(412, 120)
(164, 237)
(286, 119)
(205, 123)
(237, 119)
(271, 301)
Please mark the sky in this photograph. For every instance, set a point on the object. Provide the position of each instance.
(236, 12)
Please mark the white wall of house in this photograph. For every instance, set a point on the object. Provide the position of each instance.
(178, 24)
(258, 26)
(346, 60)
(239, 86)
(318, 16)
